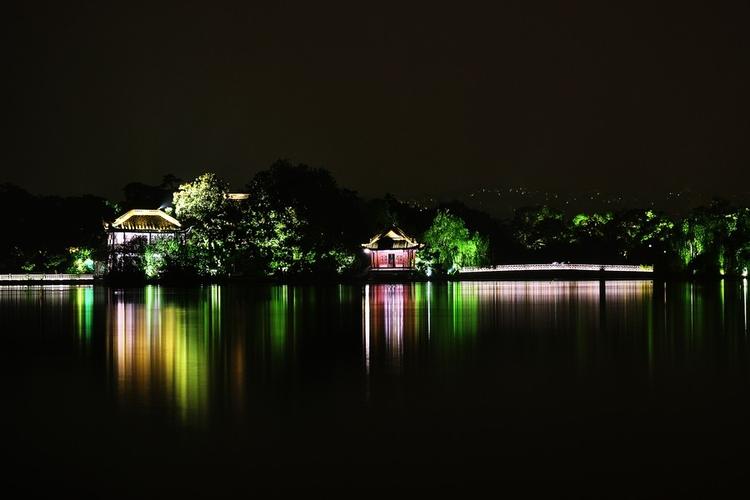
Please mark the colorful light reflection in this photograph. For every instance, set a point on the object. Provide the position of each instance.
(160, 349)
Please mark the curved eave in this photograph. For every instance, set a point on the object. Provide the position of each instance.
(121, 222)
(146, 229)
(375, 248)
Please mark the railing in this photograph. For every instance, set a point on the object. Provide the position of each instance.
(46, 277)
(612, 268)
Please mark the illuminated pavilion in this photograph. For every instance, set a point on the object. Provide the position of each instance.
(392, 250)
(139, 225)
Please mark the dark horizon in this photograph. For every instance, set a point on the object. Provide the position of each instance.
(411, 99)
(498, 201)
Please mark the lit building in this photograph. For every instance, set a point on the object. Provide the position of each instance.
(136, 228)
(392, 250)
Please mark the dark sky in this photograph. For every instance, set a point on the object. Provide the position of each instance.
(390, 97)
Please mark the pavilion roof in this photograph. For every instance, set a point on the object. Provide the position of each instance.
(393, 238)
(146, 220)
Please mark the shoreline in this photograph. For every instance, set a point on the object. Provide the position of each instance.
(380, 279)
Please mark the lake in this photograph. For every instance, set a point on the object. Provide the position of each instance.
(572, 388)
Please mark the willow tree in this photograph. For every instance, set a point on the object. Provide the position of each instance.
(741, 242)
(715, 240)
(450, 244)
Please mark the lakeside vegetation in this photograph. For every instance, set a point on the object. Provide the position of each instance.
(297, 222)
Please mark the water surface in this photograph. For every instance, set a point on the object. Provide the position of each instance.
(618, 388)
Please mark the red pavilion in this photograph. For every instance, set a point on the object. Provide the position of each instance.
(392, 250)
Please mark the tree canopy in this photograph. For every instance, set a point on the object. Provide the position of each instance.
(450, 244)
(297, 221)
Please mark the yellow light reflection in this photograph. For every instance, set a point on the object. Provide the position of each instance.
(161, 350)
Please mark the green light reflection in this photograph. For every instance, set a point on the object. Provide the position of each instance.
(84, 301)
(161, 349)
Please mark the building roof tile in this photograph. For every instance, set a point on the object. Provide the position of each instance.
(393, 238)
(146, 220)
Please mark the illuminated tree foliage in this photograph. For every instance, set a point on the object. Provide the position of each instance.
(81, 260)
(644, 236)
(450, 244)
(593, 226)
(329, 219)
(740, 243)
(270, 241)
(166, 257)
(714, 240)
(202, 199)
(202, 205)
(590, 236)
(261, 236)
(299, 222)
(536, 228)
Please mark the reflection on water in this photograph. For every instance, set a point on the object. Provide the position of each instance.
(384, 309)
(471, 383)
(159, 347)
(448, 318)
(744, 302)
(84, 312)
(187, 352)
(401, 319)
(650, 325)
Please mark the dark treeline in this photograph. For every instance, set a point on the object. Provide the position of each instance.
(298, 222)
(50, 233)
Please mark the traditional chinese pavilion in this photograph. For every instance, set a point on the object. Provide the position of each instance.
(150, 225)
(139, 226)
(392, 250)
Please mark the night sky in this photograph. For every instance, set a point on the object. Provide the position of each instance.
(392, 97)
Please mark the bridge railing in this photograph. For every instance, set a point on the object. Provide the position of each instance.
(612, 268)
(46, 277)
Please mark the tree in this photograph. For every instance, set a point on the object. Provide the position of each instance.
(327, 220)
(37, 237)
(644, 237)
(250, 237)
(740, 243)
(166, 257)
(710, 239)
(81, 260)
(538, 228)
(450, 244)
(140, 195)
(203, 206)
(272, 240)
(201, 199)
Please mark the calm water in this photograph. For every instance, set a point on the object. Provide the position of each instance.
(586, 388)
